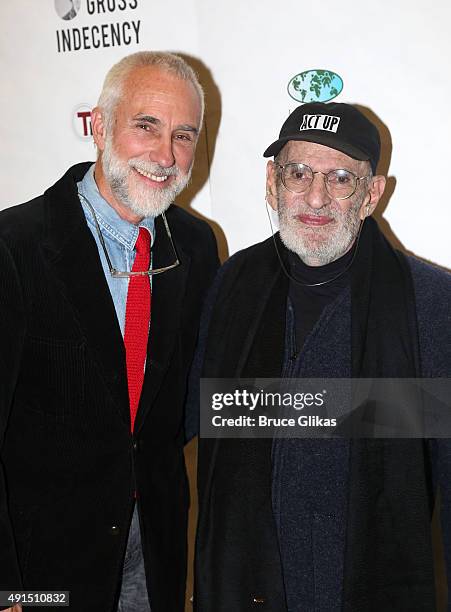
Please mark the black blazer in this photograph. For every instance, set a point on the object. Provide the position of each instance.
(70, 466)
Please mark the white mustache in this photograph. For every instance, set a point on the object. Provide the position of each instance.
(153, 168)
(322, 212)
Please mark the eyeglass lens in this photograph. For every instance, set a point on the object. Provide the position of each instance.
(339, 183)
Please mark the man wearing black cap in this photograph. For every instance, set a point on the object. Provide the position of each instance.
(320, 216)
(307, 524)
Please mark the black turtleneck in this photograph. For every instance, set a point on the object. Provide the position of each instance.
(309, 302)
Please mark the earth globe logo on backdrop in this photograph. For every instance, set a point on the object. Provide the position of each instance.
(315, 86)
(67, 9)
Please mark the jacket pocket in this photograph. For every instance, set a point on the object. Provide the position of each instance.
(53, 377)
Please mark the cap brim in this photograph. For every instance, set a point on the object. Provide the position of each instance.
(319, 138)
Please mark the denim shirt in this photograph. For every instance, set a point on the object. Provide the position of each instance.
(120, 237)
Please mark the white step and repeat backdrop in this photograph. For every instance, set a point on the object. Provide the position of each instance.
(391, 57)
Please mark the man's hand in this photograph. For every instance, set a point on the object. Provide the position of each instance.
(16, 608)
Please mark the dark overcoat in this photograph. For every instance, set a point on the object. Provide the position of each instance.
(70, 466)
(387, 553)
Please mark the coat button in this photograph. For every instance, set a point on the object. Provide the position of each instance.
(257, 600)
(114, 530)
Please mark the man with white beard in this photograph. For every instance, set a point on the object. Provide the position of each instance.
(305, 524)
(102, 284)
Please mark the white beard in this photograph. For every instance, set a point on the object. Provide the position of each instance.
(132, 192)
(318, 245)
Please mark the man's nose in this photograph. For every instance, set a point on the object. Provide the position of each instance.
(161, 151)
(316, 196)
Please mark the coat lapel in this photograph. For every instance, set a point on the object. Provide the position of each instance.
(73, 254)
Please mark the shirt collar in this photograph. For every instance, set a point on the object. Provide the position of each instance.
(109, 221)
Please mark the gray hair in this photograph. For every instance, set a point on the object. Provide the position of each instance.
(112, 89)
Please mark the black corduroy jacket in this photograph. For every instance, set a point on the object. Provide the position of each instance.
(69, 464)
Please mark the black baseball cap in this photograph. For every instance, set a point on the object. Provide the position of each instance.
(339, 126)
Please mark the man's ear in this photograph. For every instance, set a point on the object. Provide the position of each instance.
(271, 182)
(375, 191)
(98, 128)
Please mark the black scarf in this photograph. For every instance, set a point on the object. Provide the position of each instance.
(384, 324)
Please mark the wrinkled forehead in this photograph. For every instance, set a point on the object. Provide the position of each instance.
(148, 86)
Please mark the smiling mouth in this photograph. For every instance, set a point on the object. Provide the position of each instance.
(153, 177)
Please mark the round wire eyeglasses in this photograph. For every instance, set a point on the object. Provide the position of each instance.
(340, 184)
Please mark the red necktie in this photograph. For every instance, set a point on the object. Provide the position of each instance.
(137, 318)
